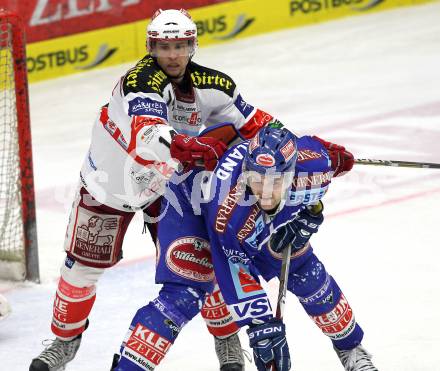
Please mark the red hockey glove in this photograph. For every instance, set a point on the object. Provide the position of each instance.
(342, 160)
(196, 151)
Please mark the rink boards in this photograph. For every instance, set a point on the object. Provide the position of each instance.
(217, 23)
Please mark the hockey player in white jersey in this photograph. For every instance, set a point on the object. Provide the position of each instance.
(128, 164)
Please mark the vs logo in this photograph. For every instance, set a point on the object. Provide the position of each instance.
(251, 309)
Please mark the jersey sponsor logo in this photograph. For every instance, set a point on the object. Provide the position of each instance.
(148, 344)
(132, 76)
(265, 159)
(298, 197)
(243, 107)
(190, 257)
(235, 256)
(194, 119)
(308, 154)
(142, 176)
(339, 322)
(214, 80)
(259, 226)
(245, 284)
(121, 140)
(229, 163)
(249, 224)
(114, 131)
(228, 205)
(149, 133)
(255, 308)
(110, 126)
(140, 106)
(313, 180)
(157, 81)
(187, 114)
(288, 150)
(94, 238)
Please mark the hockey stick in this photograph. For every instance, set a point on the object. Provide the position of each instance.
(425, 165)
(284, 276)
(282, 290)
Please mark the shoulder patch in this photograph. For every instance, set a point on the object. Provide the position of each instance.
(207, 78)
(145, 77)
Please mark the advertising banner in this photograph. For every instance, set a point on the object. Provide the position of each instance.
(217, 23)
(47, 19)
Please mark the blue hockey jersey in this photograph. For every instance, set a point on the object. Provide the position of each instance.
(239, 230)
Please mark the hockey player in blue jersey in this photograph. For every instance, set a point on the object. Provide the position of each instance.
(264, 195)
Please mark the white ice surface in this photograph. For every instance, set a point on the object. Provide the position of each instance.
(371, 83)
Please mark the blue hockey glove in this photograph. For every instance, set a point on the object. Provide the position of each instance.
(298, 231)
(269, 343)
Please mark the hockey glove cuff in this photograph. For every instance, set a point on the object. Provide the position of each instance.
(268, 342)
(299, 231)
(197, 151)
(342, 160)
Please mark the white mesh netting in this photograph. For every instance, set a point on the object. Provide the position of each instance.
(11, 226)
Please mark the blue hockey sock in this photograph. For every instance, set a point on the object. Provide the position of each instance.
(156, 325)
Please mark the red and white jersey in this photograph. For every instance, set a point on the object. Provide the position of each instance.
(129, 162)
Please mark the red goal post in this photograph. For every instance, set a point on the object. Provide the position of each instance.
(18, 233)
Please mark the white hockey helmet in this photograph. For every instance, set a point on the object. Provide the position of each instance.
(172, 24)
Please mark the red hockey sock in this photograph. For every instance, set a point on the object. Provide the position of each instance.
(71, 308)
(217, 316)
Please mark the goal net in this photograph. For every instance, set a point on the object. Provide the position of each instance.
(18, 238)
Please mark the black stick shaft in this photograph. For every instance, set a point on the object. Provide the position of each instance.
(424, 165)
(284, 277)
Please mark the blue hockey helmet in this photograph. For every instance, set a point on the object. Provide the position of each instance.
(271, 149)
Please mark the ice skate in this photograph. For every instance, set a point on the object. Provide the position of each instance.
(229, 353)
(56, 355)
(357, 359)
